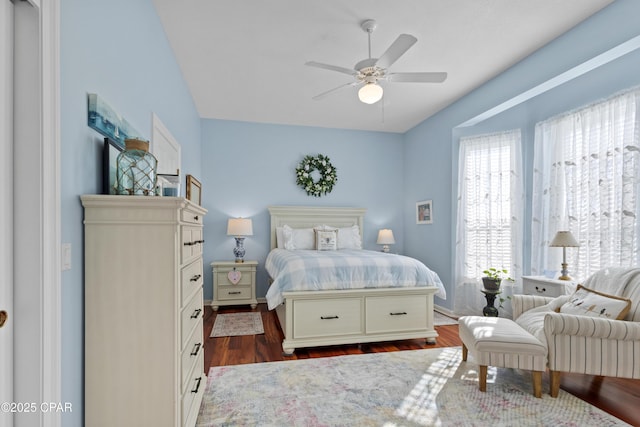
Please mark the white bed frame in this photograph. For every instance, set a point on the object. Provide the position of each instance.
(318, 318)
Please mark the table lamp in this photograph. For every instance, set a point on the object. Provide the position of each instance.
(564, 240)
(239, 228)
(385, 238)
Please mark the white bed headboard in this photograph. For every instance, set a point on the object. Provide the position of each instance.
(310, 216)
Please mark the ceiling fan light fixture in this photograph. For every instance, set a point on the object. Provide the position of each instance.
(370, 93)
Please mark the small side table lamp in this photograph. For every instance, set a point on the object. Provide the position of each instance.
(564, 240)
(385, 238)
(239, 228)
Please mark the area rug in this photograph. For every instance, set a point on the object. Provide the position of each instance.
(440, 319)
(234, 324)
(404, 388)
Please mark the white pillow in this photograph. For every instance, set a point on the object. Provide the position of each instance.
(298, 238)
(349, 238)
(326, 240)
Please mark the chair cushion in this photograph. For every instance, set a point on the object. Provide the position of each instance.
(495, 334)
(587, 302)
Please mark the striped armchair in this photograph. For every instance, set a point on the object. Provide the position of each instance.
(582, 344)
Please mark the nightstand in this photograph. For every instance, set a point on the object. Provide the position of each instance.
(234, 283)
(543, 286)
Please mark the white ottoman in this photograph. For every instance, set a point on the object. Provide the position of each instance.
(494, 341)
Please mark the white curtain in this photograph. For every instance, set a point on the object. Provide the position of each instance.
(489, 218)
(586, 180)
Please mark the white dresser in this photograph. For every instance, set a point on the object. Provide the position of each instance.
(144, 355)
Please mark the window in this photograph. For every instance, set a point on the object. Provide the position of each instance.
(586, 177)
(490, 207)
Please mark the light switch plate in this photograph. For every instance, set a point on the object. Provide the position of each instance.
(66, 256)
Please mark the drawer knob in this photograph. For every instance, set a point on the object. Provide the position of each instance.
(196, 278)
(541, 291)
(196, 313)
(234, 293)
(400, 313)
(329, 317)
(195, 218)
(196, 349)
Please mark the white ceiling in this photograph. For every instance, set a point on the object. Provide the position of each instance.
(244, 59)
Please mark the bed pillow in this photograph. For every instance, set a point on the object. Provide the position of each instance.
(298, 238)
(326, 240)
(349, 238)
(587, 302)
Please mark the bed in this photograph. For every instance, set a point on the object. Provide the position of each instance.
(320, 317)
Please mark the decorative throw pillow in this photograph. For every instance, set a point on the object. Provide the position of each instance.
(326, 240)
(587, 302)
(298, 238)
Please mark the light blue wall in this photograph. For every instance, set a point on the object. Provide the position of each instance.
(249, 166)
(117, 49)
(433, 145)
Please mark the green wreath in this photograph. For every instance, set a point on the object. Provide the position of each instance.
(328, 175)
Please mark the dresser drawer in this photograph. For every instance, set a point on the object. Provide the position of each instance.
(191, 315)
(190, 280)
(395, 313)
(234, 292)
(327, 317)
(192, 242)
(196, 384)
(191, 354)
(191, 217)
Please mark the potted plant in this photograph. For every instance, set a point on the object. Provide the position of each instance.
(494, 277)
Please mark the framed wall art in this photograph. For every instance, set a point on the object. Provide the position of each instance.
(424, 212)
(194, 190)
(109, 165)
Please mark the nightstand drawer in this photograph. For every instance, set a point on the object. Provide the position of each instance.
(234, 292)
(542, 286)
(246, 278)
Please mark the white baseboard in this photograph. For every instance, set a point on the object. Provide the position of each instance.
(444, 311)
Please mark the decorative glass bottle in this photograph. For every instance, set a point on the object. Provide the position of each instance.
(136, 169)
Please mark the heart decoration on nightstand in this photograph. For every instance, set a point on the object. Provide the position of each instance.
(234, 276)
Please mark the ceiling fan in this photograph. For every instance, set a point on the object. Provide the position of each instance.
(370, 71)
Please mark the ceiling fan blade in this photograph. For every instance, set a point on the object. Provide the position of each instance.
(331, 67)
(417, 77)
(396, 50)
(335, 89)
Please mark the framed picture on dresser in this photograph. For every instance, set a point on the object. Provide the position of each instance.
(194, 190)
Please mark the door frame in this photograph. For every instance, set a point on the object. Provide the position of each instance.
(36, 179)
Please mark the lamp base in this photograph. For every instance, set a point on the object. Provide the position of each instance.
(385, 248)
(564, 273)
(239, 251)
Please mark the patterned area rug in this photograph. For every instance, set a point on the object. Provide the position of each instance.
(234, 324)
(440, 319)
(409, 388)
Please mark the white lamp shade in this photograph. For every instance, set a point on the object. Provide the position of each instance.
(385, 237)
(564, 239)
(370, 93)
(239, 227)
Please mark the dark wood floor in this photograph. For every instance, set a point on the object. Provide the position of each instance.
(620, 397)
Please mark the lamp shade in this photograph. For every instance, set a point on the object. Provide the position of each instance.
(385, 237)
(239, 227)
(370, 93)
(564, 239)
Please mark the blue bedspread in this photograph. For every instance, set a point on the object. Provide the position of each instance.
(310, 270)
